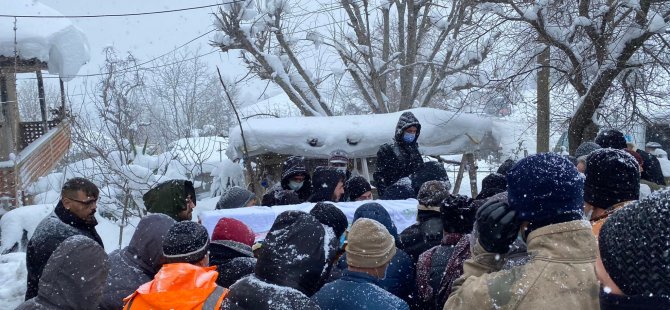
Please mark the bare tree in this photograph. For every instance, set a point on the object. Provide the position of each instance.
(398, 54)
(29, 101)
(602, 49)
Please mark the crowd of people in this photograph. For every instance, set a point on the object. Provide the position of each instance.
(547, 231)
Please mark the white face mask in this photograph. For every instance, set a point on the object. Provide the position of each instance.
(295, 185)
(587, 214)
(342, 169)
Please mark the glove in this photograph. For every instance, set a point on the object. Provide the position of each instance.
(497, 226)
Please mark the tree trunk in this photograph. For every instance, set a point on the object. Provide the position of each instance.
(543, 106)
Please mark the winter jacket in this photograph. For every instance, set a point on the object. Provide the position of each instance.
(179, 286)
(356, 290)
(399, 159)
(169, 197)
(233, 261)
(559, 275)
(73, 278)
(54, 229)
(292, 265)
(235, 197)
(651, 168)
(324, 181)
(399, 279)
(636, 302)
(431, 267)
(293, 166)
(423, 235)
(137, 263)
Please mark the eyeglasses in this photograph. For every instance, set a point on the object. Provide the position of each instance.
(88, 203)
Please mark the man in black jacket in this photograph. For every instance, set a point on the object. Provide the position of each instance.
(651, 167)
(294, 178)
(74, 215)
(402, 158)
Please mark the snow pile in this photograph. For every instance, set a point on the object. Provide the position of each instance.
(226, 174)
(13, 276)
(61, 44)
(19, 221)
(442, 133)
(198, 154)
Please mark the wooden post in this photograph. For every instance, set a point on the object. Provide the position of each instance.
(62, 99)
(9, 129)
(459, 177)
(472, 173)
(42, 99)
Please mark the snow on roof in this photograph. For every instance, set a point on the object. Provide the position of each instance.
(55, 40)
(442, 133)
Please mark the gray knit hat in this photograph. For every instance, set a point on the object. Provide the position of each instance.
(586, 148)
(185, 242)
(235, 197)
(370, 245)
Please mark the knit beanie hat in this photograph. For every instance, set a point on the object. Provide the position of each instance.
(545, 186)
(430, 171)
(506, 166)
(234, 230)
(633, 245)
(611, 138)
(612, 176)
(338, 156)
(492, 184)
(355, 187)
(370, 245)
(235, 197)
(585, 149)
(457, 213)
(331, 216)
(431, 195)
(185, 242)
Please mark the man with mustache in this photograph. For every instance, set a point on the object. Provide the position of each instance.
(74, 215)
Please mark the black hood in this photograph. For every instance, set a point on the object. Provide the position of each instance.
(324, 181)
(297, 252)
(145, 248)
(406, 120)
(295, 165)
(75, 274)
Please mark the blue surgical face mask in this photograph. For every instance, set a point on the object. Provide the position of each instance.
(295, 185)
(408, 137)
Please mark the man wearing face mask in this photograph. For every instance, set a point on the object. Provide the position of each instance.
(294, 178)
(339, 160)
(545, 197)
(402, 158)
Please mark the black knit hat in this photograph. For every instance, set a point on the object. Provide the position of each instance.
(611, 138)
(355, 187)
(457, 213)
(185, 242)
(430, 171)
(331, 216)
(431, 195)
(612, 176)
(634, 249)
(506, 166)
(492, 184)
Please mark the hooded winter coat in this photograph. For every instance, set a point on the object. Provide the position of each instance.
(293, 166)
(233, 261)
(179, 286)
(169, 197)
(431, 267)
(324, 182)
(651, 168)
(399, 159)
(356, 290)
(423, 235)
(137, 263)
(73, 278)
(399, 279)
(48, 235)
(292, 265)
(559, 275)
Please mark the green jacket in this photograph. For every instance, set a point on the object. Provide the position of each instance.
(559, 275)
(169, 197)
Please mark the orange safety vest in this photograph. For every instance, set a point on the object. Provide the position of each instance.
(179, 286)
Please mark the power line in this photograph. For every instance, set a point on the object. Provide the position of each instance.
(121, 14)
